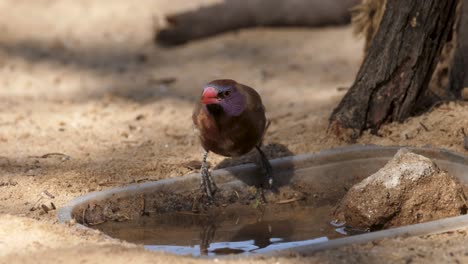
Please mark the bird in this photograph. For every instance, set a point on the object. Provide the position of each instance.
(230, 120)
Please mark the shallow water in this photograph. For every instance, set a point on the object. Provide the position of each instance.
(242, 230)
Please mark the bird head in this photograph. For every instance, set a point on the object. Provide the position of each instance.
(226, 94)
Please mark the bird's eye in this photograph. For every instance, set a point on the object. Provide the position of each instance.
(227, 93)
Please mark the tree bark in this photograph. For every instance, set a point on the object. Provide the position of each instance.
(397, 68)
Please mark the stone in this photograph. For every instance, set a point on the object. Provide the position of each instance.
(409, 189)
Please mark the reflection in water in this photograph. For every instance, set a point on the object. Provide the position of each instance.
(250, 237)
(206, 237)
(263, 232)
(226, 248)
(227, 232)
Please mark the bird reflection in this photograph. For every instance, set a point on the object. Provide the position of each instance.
(262, 234)
(206, 237)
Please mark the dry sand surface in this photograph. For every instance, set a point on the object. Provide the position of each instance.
(83, 78)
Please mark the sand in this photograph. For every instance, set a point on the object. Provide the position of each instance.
(83, 79)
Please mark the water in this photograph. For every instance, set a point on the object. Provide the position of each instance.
(229, 230)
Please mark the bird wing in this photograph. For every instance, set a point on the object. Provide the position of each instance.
(255, 104)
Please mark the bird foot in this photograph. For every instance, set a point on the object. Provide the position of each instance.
(260, 196)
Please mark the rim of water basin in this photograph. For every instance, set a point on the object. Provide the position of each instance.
(65, 214)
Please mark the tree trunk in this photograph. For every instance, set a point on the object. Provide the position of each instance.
(237, 14)
(463, 42)
(397, 68)
(447, 80)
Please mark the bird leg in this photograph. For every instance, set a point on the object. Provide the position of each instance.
(207, 183)
(266, 165)
(260, 196)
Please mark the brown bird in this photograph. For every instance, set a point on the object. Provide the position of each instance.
(230, 119)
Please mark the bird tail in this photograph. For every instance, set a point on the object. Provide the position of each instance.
(267, 125)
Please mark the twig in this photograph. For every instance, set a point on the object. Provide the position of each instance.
(97, 223)
(48, 194)
(464, 200)
(83, 216)
(45, 208)
(191, 213)
(424, 126)
(142, 180)
(47, 155)
(35, 206)
(290, 200)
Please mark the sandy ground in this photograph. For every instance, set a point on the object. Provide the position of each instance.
(83, 79)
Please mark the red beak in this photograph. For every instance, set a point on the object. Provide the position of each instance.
(209, 96)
